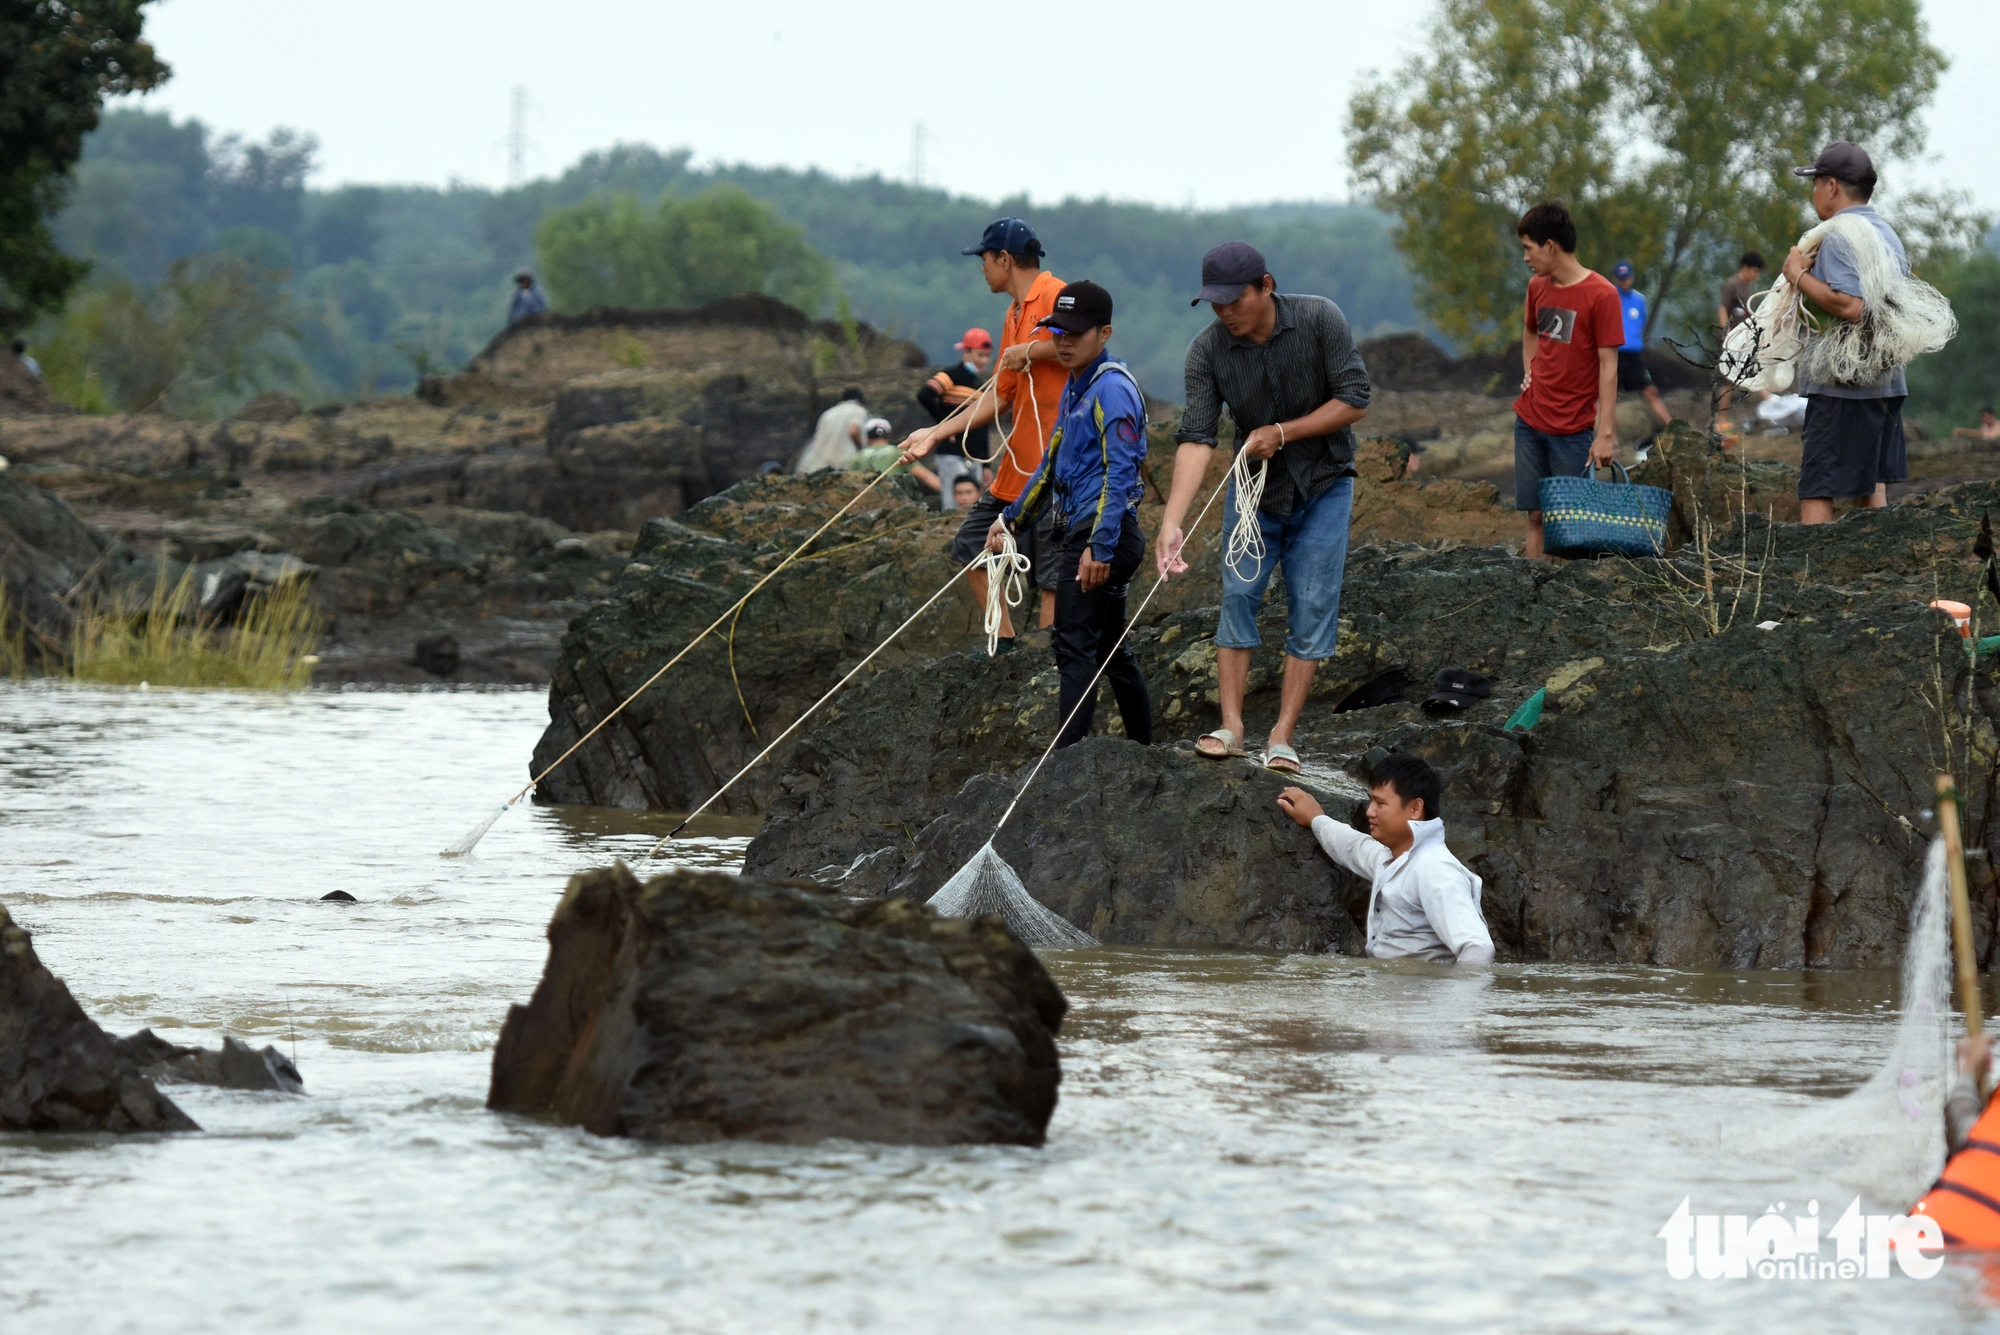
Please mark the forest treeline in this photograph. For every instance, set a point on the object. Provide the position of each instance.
(358, 290)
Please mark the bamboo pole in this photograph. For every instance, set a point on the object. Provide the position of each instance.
(1961, 905)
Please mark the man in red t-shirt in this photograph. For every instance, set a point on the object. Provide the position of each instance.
(1569, 358)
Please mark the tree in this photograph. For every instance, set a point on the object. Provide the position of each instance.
(1669, 126)
(610, 251)
(1949, 387)
(59, 60)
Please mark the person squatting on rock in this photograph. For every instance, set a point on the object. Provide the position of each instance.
(1030, 383)
(837, 435)
(880, 454)
(1572, 329)
(949, 389)
(1965, 1200)
(1853, 437)
(1422, 902)
(527, 299)
(1633, 377)
(1088, 479)
(1295, 385)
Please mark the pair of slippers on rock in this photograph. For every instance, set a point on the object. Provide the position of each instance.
(1278, 757)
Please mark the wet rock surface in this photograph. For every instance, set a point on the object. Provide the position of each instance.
(702, 1006)
(58, 1070)
(234, 1065)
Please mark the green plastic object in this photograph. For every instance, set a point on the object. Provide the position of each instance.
(1987, 645)
(1530, 712)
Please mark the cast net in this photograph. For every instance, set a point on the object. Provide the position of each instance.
(1886, 1139)
(986, 884)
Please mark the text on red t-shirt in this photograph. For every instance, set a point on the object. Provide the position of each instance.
(1570, 324)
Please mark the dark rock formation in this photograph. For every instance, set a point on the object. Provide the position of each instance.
(1701, 792)
(437, 655)
(47, 556)
(702, 1006)
(58, 1070)
(234, 1065)
(337, 897)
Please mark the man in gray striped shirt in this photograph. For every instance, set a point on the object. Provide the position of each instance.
(1287, 368)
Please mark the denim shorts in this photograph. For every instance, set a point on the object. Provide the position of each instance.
(1311, 543)
(1537, 455)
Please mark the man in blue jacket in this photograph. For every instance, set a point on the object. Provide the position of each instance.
(1089, 477)
(1633, 377)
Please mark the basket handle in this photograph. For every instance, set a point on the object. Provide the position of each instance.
(1590, 471)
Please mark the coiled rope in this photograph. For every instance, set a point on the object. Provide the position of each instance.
(1246, 539)
(471, 838)
(1006, 586)
(990, 561)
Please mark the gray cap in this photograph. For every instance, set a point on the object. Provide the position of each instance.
(1227, 270)
(1843, 162)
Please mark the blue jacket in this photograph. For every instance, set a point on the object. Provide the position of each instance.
(1090, 471)
(527, 301)
(1633, 306)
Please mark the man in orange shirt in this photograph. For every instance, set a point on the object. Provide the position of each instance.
(1030, 383)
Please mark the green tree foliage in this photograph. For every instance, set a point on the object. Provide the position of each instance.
(210, 333)
(1948, 388)
(611, 251)
(1669, 126)
(59, 60)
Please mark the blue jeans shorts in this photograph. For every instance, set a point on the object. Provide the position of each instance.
(1311, 543)
(1537, 455)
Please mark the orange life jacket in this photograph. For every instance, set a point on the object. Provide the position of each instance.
(1965, 1200)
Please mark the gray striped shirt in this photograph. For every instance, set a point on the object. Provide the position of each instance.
(1309, 359)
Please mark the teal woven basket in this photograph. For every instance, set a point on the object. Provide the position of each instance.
(1584, 517)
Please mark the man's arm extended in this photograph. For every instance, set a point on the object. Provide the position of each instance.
(1605, 447)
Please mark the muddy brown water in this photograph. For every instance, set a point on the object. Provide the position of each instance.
(1245, 1141)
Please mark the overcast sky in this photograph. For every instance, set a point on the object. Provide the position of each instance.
(1170, 101)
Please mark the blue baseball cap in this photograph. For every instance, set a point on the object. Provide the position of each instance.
(1622, 269)
(1008, 234)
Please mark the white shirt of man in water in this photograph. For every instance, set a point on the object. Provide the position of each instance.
(1423, 903)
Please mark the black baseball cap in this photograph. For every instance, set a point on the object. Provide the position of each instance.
(1456, 688)
(1843, 162)
(1227, 270)
(1079, 306)
(1008, 234)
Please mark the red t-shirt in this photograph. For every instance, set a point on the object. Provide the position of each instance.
(1570, 324)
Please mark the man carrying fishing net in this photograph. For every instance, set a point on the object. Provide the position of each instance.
(1089, 479)
(1287, 368)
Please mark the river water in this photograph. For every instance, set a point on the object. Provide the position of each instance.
(1244, 1142)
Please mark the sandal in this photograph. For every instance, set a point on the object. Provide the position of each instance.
(1281, 759)
(1231, 745)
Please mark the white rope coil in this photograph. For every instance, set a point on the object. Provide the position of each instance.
(1006, 585)
(1246, 539)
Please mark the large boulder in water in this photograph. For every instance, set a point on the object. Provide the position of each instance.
(58, 1070)
(702, 1006)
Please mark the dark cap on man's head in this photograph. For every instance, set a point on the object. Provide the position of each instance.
(1227, 270)
(1010, 235)
(1622, 269)
(1079, 307)
(1843, 162)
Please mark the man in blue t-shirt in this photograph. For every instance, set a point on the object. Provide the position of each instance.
(1633, 377)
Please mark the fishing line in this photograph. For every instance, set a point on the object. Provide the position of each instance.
(988, 560)
(472, 837)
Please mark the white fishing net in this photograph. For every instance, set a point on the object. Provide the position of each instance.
(1886, 1139)
(986, 884)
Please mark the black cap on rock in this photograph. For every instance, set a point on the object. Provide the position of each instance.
(1227, 270)
(1454, 689)
(1079, 306)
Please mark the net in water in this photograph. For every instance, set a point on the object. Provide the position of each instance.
(986, 884)
(1886, 1139)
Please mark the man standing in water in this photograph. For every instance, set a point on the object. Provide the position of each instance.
(1287, 368)
(1030, 384)
(1567, 412)
(1422, 902)
(1089, 479)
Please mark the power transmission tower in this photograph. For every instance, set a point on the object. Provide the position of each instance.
(917, 137)
(517, 136)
